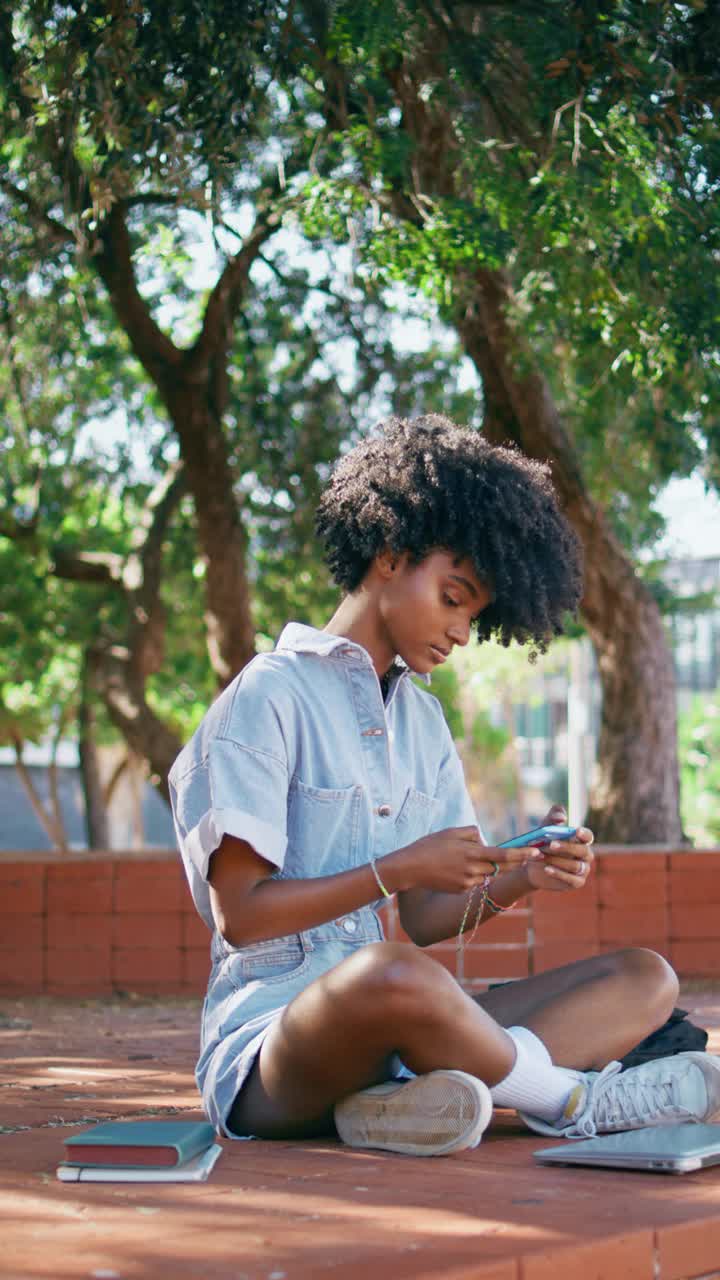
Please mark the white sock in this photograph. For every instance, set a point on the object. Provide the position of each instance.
(534, 1084)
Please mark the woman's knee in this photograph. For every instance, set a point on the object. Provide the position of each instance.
(396, 978)
(650, 977)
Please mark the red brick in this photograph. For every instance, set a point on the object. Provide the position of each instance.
(551, 955)
(134, 929)
(631, 860)
(553, 902)
(490, 962)
(186, 898)
(21, 931)
(22, 971)
(148, 887)
(511, 926)
(694, 886)
(22, 888)
(146, 969)
(195, 932)
(697, 959)
(631, 926)
(622, 1257)
(692, 863)
(629, 888)
(688, 1249)
(78, 971)
(195, 970)
(79, 887)
(78, 931)
(694, 920)
(576, 925)
(508, 1270)
(446, 955)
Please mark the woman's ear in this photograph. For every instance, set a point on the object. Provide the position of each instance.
(386, 561)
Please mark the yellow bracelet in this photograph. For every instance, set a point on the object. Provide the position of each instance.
(381, 886)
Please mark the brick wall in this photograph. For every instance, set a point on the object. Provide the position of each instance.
(92, 923)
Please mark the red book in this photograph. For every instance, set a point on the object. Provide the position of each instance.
(159, 1144)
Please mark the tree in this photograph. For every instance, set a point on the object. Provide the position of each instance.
(116, 161)
(546, 173)
(550, 173)
(130, 179)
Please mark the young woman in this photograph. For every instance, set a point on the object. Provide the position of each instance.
(323, 780)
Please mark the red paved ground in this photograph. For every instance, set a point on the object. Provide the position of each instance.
(290, 1211)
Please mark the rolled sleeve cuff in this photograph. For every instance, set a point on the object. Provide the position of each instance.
(204, 839)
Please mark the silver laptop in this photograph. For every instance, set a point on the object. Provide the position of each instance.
(679, 1148)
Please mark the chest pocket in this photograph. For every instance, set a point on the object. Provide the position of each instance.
(323, 830)
(415, 817)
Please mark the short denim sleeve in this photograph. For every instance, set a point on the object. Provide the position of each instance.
(238, 791)
(224, 786)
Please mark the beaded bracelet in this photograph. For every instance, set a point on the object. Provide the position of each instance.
(481, 907)
(495, 906)
(381, 886)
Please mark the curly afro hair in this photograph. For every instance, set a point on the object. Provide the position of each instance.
(414, 486)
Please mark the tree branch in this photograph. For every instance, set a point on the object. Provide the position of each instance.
(60, 233)
(18, 530)
(225, 299)
(143, 571)
(55, 836)
(156, 352)
(104, 568)
(152, 198)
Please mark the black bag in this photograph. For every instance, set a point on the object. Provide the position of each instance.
(674, 1036)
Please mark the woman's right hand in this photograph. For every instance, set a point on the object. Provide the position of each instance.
(451, 861)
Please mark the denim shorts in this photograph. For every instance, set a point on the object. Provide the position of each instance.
(248, 989)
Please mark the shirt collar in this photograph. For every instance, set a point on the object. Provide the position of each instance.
(300, 638)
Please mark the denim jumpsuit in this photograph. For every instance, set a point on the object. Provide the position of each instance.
(301, 758)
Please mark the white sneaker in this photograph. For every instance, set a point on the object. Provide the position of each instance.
(432, 1115)
(681, 1089)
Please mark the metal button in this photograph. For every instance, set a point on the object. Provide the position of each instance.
(384, 811)
(349, 925)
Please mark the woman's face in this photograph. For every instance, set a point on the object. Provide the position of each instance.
(428, 608)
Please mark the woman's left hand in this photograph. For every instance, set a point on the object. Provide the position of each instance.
(565, 864)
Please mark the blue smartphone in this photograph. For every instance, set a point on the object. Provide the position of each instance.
(539, 837)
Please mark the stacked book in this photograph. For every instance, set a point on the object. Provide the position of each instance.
(141, 1151)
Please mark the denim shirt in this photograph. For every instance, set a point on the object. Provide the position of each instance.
(300, 757)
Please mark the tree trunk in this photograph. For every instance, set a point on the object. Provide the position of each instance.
(122, 689)
(635, 794)
(222, 539)
(194, 387)
(96, 824)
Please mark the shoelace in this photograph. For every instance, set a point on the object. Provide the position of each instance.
(626, 1101)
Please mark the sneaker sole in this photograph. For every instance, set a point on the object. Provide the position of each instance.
(432, 1115)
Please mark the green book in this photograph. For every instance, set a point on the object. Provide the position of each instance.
(160, 1144)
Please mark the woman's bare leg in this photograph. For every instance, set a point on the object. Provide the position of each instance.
(337, 1036)
(592, 1011)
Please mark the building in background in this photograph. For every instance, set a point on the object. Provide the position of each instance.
(556, 734)
(137, 815)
